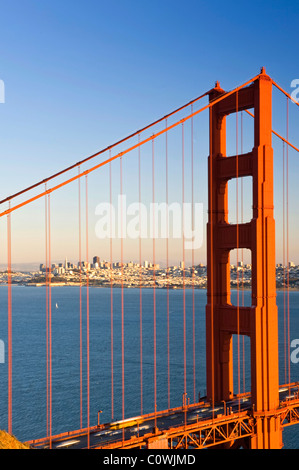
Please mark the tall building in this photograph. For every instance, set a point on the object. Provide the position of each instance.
(95, 260)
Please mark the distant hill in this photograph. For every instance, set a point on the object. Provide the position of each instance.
(23, 267)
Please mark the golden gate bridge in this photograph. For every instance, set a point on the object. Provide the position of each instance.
(227, 416)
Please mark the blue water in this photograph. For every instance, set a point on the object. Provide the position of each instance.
(29, 355)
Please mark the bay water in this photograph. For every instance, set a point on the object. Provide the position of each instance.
(29, 353)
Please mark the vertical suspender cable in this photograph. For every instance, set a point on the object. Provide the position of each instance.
(9, 323)
(193, 268)
(242, 221)
(237, 228)
(211, 216)
(140, 282)
(183, 250)
(288, 259)
(111, 294)
(80, 295)
(284, 266)
(50, 322)
(47, 308)
(87, 318)
(154, 280)
(167, 265)
(122, 297)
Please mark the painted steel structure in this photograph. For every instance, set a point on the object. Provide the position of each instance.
(260, 321)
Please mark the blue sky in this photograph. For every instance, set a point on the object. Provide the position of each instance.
(81, 75)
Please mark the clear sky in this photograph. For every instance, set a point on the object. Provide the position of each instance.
(80, 75)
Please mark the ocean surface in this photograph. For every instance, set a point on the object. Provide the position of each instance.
(29, 407)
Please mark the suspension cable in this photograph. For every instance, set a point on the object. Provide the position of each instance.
(110, 147)
(120, 154)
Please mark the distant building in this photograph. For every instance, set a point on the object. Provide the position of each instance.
(96, 260)
(60, 270)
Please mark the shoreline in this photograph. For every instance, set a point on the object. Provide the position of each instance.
(119, 286)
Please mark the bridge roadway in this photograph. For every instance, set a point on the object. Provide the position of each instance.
(120, 433)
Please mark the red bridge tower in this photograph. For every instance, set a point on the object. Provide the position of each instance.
(260, 321)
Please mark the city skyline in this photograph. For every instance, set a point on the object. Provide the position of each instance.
(146, 275)
(117, 264)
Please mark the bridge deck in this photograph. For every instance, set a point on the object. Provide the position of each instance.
(196, 426)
